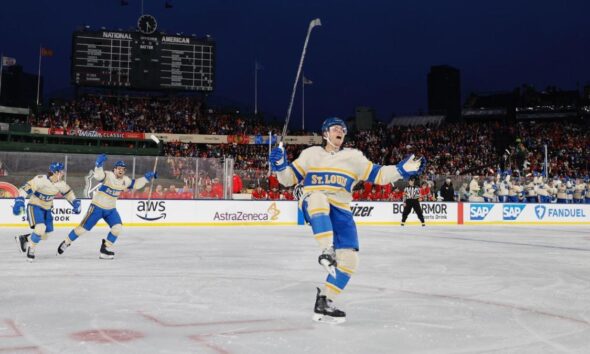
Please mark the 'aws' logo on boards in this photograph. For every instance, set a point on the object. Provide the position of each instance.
(144, 209)
(511, 212)
(480, 211)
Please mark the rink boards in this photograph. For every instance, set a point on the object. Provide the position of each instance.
(267, 213)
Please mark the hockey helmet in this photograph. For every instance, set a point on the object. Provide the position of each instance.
(56, 167)
(120, 163)
(329, 122)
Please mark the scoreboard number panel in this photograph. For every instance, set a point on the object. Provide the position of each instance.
(142, 61)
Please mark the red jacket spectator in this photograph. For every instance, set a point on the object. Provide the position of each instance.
(171, 193)
(425, 192)
(209, 193)
(357, 195)
(185, 195)
(273, 181)
(217, 188)
(396, 195)
(274, 194)
(259, 194)
(237, 181)
(375, 195)
(288, 195)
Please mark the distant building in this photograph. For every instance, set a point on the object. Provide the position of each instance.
(444, 92)
(19, 89)
(364, 118)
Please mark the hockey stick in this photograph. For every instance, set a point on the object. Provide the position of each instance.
(157, 141)
(312, 24)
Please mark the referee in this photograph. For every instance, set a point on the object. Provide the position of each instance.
(412, 201)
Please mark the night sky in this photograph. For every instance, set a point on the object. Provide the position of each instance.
(367, 53)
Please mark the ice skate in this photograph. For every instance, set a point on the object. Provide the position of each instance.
(22, 241)
(105, 251)
(326, 312)
(328, 260)
(30, 254)
(403, 224)
(62, 247)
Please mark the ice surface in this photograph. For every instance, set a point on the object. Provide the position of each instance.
(251, 290)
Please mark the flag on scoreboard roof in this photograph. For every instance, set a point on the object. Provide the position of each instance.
(46, 52)
(307, 81)
(8, 61)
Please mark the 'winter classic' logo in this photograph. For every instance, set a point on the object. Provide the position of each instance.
(540, 211)
(146, 211)
(511, 212)
(479, 211)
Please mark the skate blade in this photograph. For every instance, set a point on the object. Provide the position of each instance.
(105, 256)
(329, 268)
(328, 319)
(17, 239)
(30, 260)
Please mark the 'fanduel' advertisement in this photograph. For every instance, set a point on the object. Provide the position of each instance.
(526, 213)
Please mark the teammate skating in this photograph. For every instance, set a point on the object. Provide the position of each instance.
(328, 174)
(42, 190)
(103, 205)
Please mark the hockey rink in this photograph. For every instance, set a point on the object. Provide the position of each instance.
(446, 289)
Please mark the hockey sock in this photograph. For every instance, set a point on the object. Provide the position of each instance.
(71, 237)
(35, 239)
(111, 239)
(347, 260)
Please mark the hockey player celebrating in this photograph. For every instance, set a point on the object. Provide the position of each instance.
(103, 204)
(42, 190)
(328, 174)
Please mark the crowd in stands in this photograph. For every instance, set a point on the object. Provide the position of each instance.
(450, 148)
(183, 115)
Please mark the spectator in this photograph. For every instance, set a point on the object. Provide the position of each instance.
(259, 193)
(447, 192)
(237, 183)
(274, 194)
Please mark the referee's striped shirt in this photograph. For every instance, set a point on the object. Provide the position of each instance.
(411, 192)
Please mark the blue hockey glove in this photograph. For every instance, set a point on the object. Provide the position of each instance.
(77, 206)
(410, 166)
(100, 159)
(149, 175)
(278, 159)
(19, 206)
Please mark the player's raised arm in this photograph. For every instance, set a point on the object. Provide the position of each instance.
(99, 174)
(287, 174)
(381, 175)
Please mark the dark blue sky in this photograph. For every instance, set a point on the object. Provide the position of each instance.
(373, 53)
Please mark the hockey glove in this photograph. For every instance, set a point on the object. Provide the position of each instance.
(76, 206)
(100, 159)
(19, 206)
(411, 166)
(149, 175)
(278, 159)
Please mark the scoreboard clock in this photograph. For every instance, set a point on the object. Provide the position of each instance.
(147, 24)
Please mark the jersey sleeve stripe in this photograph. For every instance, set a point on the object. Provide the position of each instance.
(375, 169)
(367, 171)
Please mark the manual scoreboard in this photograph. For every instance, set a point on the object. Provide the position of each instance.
(148, 61)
